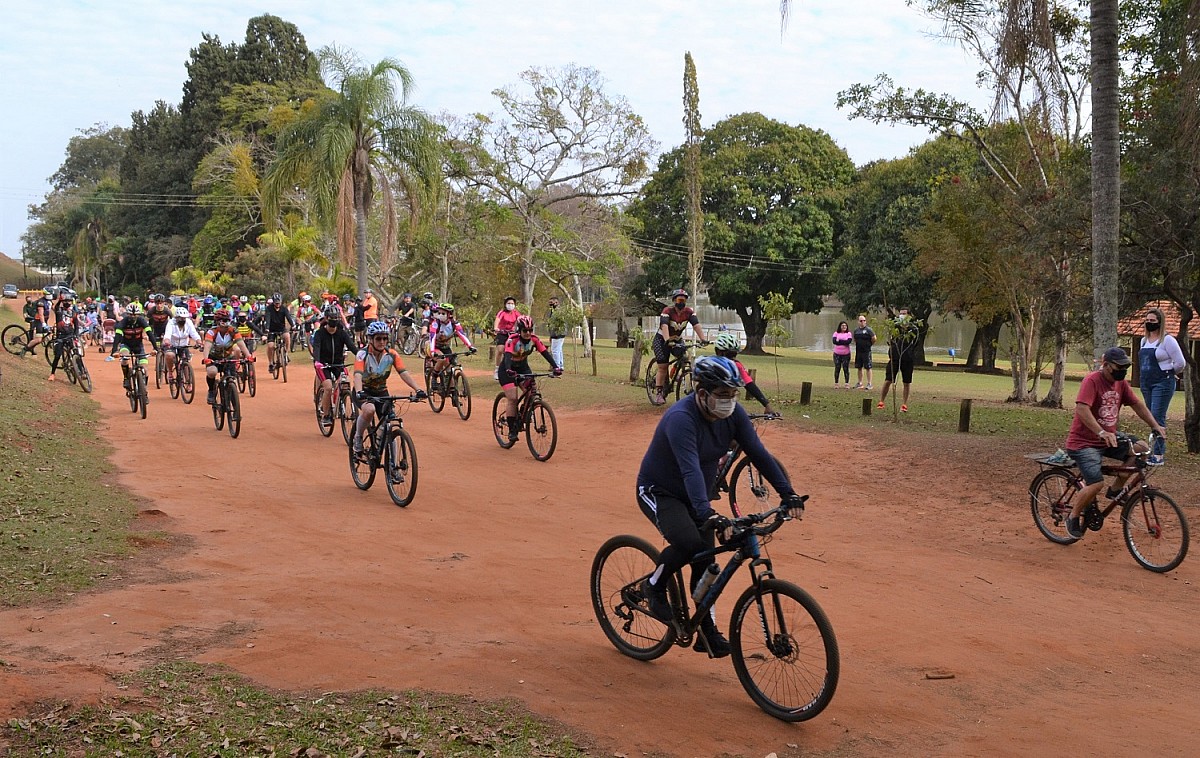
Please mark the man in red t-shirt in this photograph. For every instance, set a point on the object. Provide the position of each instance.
(1093, 432)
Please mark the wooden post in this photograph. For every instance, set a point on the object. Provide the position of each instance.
(964, 416)
(867, 405)
(492, 353)
(805, 393)
(753, 374)
(595, 371)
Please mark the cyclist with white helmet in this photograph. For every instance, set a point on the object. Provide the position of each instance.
(442, 331)
(180, 334)
(727, 345)
(372, 367)
(673, 481)
(668, 341)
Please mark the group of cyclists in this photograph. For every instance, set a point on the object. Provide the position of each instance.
(670, 490)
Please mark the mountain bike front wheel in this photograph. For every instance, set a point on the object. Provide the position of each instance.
(187, 382)
(233, 408)
(400, 467)
(617, 572)
(139, 389)
(749, 491)
(346, 413)
(1156, 531)
(82, 375)
(784, 651)
(541, 430)
(362, 465)
(462, 395)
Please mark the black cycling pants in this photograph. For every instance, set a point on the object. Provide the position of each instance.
(675, 521)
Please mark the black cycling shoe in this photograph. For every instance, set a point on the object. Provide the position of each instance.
(711, 641)
(656, 601)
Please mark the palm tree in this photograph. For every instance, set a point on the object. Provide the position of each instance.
(351, 149)
(297, 247)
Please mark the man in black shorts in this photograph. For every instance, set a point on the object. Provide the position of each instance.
(900, 356)
(864, 339)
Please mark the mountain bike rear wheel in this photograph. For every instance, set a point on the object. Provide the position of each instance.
(617, 572)
(500, 422)
(400, 467)
(650, 378)
(784, 650)
(461, 394)
(749, 491)
(1156, 531)
(541, 430)
(1050, 495)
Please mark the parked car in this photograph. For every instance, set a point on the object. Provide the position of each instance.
(10, 290)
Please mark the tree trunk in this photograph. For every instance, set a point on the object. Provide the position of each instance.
(1106, 174)
(587, 320)
(622, 332)
(360, 242)
(529, 275)
(756, 330)
(983, 347)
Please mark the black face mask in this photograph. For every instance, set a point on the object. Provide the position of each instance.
(1152, 326)
(680, 306)
(1119, 373)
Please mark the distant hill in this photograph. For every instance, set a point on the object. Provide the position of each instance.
(12, 272)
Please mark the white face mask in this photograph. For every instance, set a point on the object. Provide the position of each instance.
(509, 306)
(720, 407)
(442, 317)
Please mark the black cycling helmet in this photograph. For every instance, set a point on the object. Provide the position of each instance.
(679, 293)
(713, 371)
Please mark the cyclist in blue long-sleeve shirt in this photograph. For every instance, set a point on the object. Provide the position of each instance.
(673, 484)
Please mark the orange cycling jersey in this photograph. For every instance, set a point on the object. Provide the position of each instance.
(376, 370)
(223, 338)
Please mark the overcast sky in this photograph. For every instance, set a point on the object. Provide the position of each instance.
(68, 64)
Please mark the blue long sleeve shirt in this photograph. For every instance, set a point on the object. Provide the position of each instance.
(686, 448)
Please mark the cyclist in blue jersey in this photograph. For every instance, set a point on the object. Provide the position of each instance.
(673, 482)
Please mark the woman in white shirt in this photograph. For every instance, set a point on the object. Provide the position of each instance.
(1160, 361)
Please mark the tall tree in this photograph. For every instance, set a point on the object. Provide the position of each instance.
(693, 133)
(1106, 157)
(564, 139)
(1106, 174)
(348, 150)
(774, 216)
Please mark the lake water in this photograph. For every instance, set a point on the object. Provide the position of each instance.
(814, 331)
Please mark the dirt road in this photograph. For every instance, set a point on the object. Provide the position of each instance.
(924, 560)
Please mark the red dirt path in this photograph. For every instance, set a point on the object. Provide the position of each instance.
(298, 580)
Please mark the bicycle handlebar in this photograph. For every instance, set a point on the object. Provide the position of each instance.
(781, 513)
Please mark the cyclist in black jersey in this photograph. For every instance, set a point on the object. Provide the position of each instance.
(668, 341)
(276, 319)
(330, 342)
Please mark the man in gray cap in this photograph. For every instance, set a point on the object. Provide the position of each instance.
(1094, 436)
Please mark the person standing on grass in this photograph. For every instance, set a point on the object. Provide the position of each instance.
(558, 331)
(900, 356)
(1160, 362)
(843, 338)
(864, 339)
